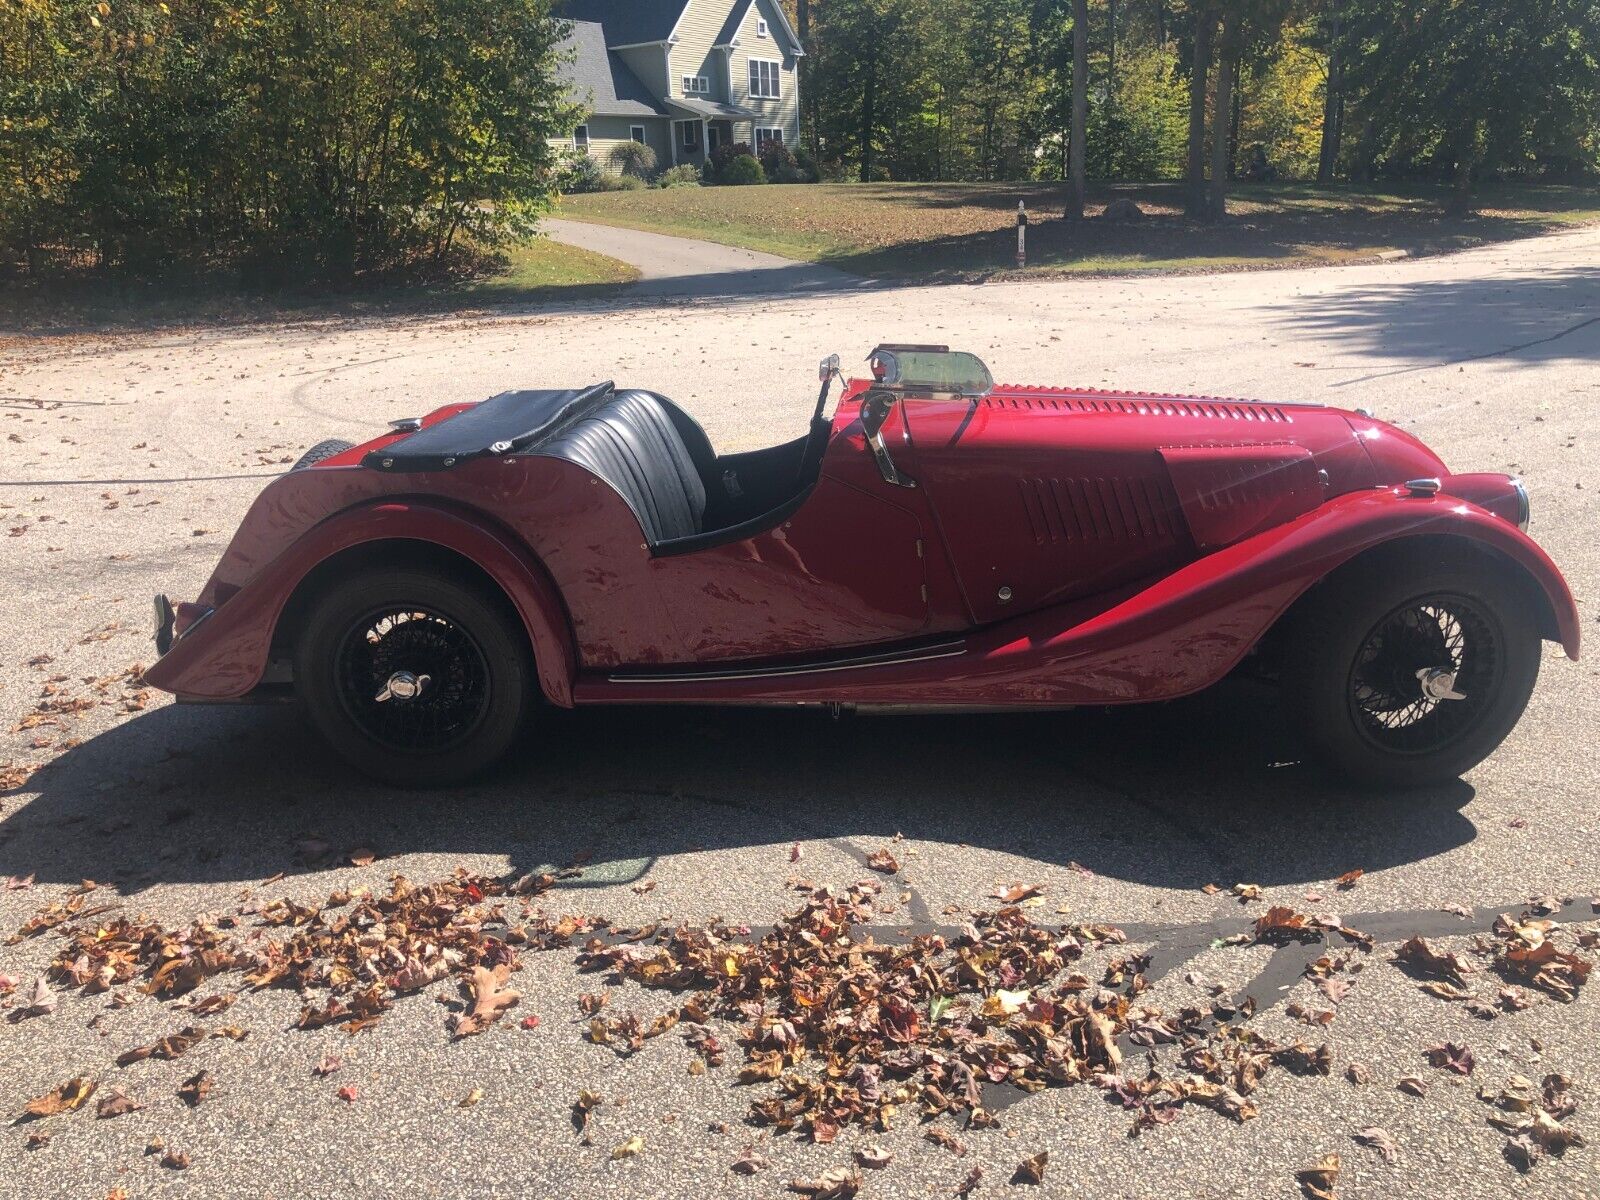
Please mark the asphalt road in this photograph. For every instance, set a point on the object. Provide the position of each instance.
(1493, 356)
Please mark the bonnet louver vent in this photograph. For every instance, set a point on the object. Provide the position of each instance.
(1095, 510)
(1039, 400)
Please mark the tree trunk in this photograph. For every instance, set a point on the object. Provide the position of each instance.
(867, 116)
(1235, 120)
(1227, 64)
(1077, 172)
(1332, 102)
(1205, 22)
(802, 14)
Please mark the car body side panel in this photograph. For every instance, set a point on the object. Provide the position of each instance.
(1170, 637)
(225, 657)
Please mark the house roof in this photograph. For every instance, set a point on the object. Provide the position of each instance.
(613, 90)
(627, 22)
(736, 15)
(711, 108)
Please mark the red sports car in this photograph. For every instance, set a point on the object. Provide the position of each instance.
(939, 543)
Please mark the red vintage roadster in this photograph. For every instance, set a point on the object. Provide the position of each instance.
(940, 543)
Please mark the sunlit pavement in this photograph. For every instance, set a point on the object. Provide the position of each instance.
(1492, 356)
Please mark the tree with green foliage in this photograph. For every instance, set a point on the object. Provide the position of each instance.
(315, 139)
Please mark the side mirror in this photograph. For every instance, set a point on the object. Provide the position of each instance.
(828, 368)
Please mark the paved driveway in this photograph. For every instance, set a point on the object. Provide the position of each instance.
(1493, 356)
(688, 267)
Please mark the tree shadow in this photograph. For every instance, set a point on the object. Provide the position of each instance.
(1522, 318)
(1208, 790)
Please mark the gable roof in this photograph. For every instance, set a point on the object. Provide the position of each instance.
(612, 89)
(627, 22)
(736, 15)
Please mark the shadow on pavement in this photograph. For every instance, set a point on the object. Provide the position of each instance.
(1200, 791)
(1552, 315)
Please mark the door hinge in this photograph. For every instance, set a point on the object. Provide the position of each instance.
(924, 593)
(919, 547)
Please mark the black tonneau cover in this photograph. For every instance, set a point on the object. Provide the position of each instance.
(505, 424)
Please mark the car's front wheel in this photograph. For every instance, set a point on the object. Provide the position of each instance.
(1412, 667)
(416, 678)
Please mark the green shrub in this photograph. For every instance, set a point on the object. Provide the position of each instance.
(682, 175)
(633, 158)
(150, 136)
(577, 173)
(621, 183)
(742, 169)
(776, 157)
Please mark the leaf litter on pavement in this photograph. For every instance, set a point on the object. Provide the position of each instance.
(834, 1028)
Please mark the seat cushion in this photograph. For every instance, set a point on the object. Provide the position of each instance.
(630, 441)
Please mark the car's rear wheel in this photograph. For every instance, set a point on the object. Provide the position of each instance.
(1411, 668)
(415, 678)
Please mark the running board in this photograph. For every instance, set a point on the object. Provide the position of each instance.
(855, 663)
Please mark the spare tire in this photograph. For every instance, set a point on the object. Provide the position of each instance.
(321, 451)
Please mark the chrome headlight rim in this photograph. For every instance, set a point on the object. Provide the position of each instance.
(1524, 508)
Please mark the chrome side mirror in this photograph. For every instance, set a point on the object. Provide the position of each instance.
(875, 408)
(828, 368)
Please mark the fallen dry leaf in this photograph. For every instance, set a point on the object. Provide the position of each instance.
(1450, 1057)
(628, 1148)
(196, 1088)
(874, 1157)
(1349, 879)
(1421, 957)
(1318, 1180)
(1378, 1139)
(1016, 892)
(348, 1093)
(749, 1162)
(1412, 1086)
(470, 1098)
(1031, 1170)
(64, 1098)
(490, 998)
(175, 1160)
(837, 1183)
(970, 1184)
(882, 860)
(118, 1103)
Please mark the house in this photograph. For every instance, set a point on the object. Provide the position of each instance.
(682, 76)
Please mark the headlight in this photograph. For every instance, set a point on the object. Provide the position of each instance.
(1524, 510)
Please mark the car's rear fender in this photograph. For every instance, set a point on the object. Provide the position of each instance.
(225, 658)
(1157, 641)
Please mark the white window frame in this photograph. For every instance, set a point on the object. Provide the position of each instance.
(636, 132)
(581, 143)
(774, 134)
(688, 136)
(696, 85)
(757, 82)
(761, 28)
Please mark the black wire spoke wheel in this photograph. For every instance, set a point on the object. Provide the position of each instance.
(412, 679)
(1426, 673)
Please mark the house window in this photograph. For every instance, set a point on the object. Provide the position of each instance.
(689, 135)
(636, 132)
(580, 137)
(696, 85)
(765, 136)
(761, 28)
(764, 78)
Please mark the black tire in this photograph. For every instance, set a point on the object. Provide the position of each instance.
(365, 631)
(1355, 644)
(322, 450)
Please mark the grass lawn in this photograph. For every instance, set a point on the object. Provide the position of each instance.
(541, 271)
(960, 230)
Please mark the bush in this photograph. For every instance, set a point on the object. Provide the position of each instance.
(722, 156)
(776, 158)
(632, 158)
(577, 173)
(621, 183)
(682, 175)
(743, 169)
(198, 134)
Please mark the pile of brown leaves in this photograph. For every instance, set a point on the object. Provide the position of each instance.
(1532, 1118)
(357, 951)
(854, 1032)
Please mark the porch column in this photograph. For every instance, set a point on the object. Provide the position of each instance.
(705, 145)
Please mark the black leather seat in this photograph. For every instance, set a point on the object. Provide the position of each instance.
(632, 442)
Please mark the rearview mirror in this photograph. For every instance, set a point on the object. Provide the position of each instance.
(828, 368)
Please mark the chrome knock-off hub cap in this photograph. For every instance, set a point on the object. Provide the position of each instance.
(402, 685)
(1438, 684)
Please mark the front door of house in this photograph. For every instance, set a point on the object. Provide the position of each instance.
(713, 138)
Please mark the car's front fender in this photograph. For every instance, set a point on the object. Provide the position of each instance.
(225, 657)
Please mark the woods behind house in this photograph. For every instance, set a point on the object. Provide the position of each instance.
(326, 140)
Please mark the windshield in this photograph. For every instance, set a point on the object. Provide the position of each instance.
(935, 369)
